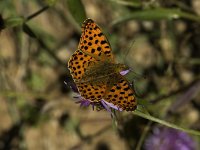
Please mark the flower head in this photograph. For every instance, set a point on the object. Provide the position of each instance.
(102, 104)
(169, 139)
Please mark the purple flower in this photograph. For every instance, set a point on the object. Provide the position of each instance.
(164, 138)
(102, 104)
(108, 105)
(83, 102)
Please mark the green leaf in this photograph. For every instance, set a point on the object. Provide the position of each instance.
(129, 3)
(157, 14)
(77, 10)
(50, 2)
(36, 82)
(165, 123)
(13, 21)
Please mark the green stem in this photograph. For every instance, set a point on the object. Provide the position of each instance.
(165, 123)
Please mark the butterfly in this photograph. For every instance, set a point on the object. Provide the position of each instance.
(95, 72)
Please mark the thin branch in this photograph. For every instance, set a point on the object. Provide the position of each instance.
(36, 13)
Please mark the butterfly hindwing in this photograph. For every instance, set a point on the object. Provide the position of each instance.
(121, 94)
(92, 92)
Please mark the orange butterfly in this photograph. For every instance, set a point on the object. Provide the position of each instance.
(95, 72)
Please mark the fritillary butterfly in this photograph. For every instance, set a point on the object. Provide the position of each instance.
(95, 72)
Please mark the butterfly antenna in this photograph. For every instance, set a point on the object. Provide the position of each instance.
(127, 51)
(137, 75)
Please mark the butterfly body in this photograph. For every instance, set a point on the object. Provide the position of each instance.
(102, 70)
(95, 72)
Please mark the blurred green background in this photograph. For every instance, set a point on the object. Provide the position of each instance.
(159, 40)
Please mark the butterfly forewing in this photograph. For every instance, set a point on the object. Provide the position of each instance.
(93, 41)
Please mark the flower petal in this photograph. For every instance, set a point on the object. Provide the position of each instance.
(124, 72)
(111, 105)
(167, 138)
